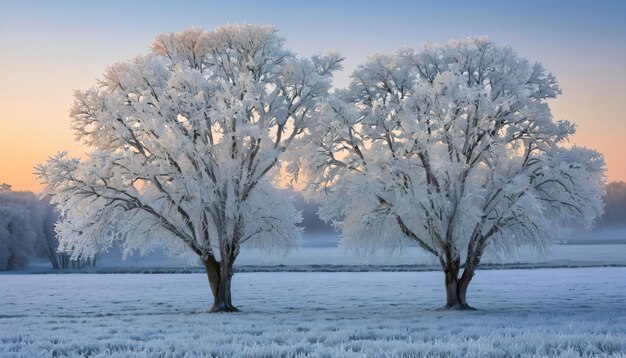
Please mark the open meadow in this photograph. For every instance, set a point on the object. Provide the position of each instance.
(525, 313)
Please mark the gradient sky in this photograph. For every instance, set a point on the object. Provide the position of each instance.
(48, 49)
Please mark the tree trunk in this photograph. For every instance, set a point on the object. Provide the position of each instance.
(464, 281)
(65, 261)
(220, 276)
(52, 256)
(456, 288)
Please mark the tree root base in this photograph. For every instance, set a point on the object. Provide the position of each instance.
(218, 309)
(457, 307)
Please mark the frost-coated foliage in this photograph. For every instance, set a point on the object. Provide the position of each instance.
(615, 209)
(453, 147)
(183, 141)
(18, 231)
(26, 229)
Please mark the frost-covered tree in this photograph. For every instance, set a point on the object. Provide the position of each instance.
(452, 148)
(18, 234)
(184, 139)
(45, 218)
(27, 229)
(615, 206)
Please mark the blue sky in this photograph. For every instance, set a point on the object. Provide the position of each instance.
(547, 30)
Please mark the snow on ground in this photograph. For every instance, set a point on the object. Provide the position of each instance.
(526, 313)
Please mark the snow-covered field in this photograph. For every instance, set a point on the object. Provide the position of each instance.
(542, 312)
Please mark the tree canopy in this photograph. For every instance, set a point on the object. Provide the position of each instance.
(453, 148)
(184, 142)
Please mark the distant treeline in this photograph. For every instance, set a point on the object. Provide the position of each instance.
(27, 230)
(27, 225)
(615, 206)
